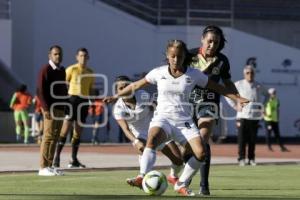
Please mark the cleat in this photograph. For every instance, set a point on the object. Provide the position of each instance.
(184, 191)
(135, 182)
(204, 191)
(76, 164)
(172, 179)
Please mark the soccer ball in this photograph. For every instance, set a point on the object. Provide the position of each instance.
(155, 183)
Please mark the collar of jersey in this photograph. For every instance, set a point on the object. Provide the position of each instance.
(202, 64)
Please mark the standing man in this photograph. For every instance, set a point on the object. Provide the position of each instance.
(51, 91)
(249, 116)
(81, 81)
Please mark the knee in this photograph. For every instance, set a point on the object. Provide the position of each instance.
(199, 154)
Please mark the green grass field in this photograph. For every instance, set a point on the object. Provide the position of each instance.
(227, 182)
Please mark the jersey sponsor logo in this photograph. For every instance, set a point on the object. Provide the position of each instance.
(187, 125)
(175, 82)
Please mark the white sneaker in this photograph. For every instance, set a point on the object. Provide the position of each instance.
(242, 163)
(58, 172)
(47, 171)
(252, 163)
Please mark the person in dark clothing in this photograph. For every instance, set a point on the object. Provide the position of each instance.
(51, 91)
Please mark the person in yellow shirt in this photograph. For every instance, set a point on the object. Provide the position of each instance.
(272, 120)
(81, 81)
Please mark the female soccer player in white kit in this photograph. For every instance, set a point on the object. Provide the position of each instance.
(133, 114)
(173, 116)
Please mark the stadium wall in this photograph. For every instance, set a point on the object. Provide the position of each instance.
(122, 44)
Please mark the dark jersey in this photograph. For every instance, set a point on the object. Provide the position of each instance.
(216, 70)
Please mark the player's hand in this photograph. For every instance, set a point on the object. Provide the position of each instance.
(138, 145)
(110, 99)
(241, 101)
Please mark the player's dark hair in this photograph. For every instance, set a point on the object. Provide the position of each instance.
(55, 47)
(121, 78)
(218, 31)
(22, 88)
(82, 49)
(180, 44)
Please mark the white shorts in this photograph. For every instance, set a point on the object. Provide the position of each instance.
(144, 135)
(180, 131)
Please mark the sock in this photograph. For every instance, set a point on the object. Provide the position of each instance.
(140, 160)
(59, 148)
(95, 134)
(175, 169)
(204, 167)
(147, 161)
(26, 134)
(18, 132)
(189, 170)
(75, 148)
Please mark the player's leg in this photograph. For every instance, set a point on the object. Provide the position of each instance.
(242, 134)
(65, 129)
(268, 134)
(156, 137)
(252, 127)
(18, 122)
(275, 126)
(75, 142)
(191, 167)
(205, 126)
(25, 120)
(172, 151)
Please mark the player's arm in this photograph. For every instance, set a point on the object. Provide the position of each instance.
(130, 89)
(13, 100)
(225, 92)
(230, 86)
(135, 141)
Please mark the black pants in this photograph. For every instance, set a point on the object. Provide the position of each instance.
(272, 126)
(247, 132)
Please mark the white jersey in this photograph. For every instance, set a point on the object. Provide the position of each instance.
(173, 93)
(138, 119)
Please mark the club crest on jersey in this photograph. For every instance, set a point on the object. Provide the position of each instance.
(215, 71)
(163, 77)
(126, 114)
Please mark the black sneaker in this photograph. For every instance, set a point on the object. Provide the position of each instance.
(204, 191)
(76, 164)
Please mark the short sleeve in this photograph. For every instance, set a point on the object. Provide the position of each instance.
(225, 70)
(151, 77)
(200, 78)
(117, 112)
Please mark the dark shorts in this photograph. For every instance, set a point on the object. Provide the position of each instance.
(79, 109)
(38, 117)
(98, 118)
